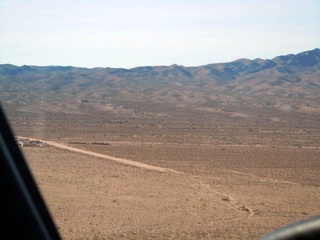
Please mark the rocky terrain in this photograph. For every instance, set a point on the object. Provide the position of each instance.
(240, 89)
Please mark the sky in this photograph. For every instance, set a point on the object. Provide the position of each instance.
(127, 34)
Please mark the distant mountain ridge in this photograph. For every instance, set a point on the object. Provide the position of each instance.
(280, 81)
(243, 65)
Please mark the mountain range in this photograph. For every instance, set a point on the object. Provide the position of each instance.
(284, 84)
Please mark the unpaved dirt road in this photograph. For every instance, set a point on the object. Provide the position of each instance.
(217, 193)
(99, 155)
(224, 196)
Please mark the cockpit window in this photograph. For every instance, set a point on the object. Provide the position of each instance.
(169, 120)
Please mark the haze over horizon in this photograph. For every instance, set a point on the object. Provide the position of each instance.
(130, 34)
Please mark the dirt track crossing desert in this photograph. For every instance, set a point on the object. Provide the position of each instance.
(111, 188)
(128, 162)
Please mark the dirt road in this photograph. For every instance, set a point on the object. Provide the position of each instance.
(223, 196)
(99, 155)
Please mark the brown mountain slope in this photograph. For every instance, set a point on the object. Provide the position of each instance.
(284, 87)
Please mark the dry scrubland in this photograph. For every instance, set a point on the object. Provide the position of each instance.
(241, 141)
(229, 183)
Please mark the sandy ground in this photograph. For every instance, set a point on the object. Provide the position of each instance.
(175, 191)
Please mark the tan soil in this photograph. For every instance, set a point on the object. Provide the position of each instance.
(126, 190)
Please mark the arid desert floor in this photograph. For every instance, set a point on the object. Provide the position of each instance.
(223, 185)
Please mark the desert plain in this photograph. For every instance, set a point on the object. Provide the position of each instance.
(212, 182)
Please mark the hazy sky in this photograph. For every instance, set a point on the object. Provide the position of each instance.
(130, 33)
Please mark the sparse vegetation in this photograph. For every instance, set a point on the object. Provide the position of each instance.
(234, 144)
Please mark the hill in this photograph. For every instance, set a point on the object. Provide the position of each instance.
(283, 89)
